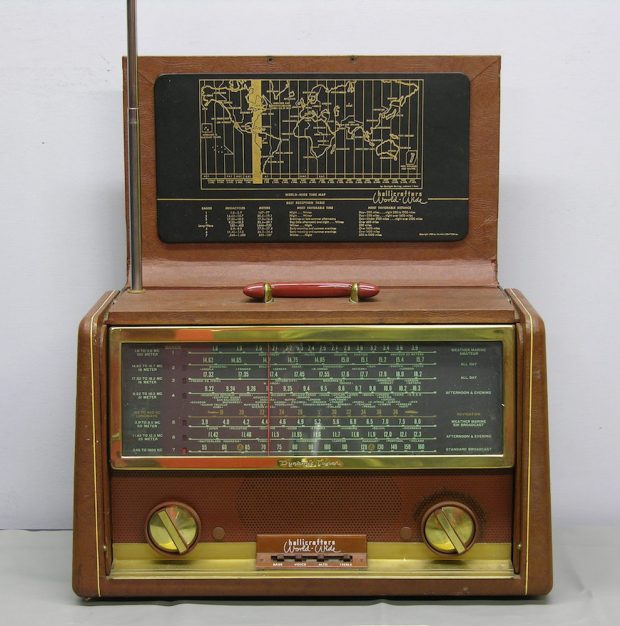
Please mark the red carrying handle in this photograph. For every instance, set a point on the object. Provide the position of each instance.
(268, 291)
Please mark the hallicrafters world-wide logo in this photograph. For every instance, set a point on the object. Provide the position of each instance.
(317, 546)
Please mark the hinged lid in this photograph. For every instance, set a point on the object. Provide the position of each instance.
(382, 169)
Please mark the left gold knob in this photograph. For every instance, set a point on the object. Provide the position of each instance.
(173, 528)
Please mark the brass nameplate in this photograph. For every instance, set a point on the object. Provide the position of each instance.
(311, 551)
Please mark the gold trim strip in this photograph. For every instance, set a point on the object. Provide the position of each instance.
(529, 441)
(396, 560)
(94, 437)
(310, 332)
(240, 550)
(290, 463)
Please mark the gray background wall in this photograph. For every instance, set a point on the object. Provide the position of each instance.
(61, 197)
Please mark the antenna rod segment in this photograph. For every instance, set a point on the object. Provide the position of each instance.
(133, 153)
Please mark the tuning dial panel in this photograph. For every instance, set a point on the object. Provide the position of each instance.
(449, 528)
(173, 528)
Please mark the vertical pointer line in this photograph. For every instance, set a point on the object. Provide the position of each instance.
(268, 399)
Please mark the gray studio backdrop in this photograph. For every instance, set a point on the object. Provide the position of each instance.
(61, 190)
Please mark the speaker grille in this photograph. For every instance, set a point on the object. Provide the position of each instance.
(324, 503)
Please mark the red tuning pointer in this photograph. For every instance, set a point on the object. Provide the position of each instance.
(268, 291)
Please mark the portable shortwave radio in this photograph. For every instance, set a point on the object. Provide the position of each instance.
(368, 417)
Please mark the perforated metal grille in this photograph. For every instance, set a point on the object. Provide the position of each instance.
(320, 504)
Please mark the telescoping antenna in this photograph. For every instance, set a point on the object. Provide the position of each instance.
(133, 153)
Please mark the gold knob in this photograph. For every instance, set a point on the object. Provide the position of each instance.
(449, 528)
(173, 528)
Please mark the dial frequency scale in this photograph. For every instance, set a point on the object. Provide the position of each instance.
(312, 383)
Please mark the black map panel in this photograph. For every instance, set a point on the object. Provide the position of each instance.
(266, 158)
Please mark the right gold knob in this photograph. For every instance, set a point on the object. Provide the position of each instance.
(449, 528)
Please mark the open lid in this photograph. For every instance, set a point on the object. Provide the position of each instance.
(381, 169)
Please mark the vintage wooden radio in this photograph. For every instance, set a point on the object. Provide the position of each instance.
(393, 445)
